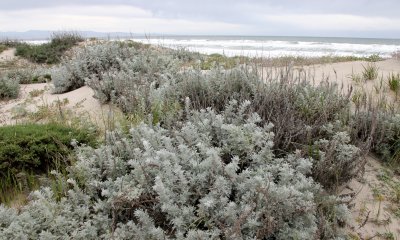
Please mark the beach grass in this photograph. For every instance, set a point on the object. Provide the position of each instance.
(394, 82)
(370, 72)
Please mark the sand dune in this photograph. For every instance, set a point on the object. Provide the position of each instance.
(80, 102)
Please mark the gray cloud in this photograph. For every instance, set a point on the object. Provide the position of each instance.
(251, 14)
(216, 8)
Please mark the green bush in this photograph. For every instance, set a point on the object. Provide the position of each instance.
(9, 88)
(35, 149)
(374, 58)
(381, 130)
(387, 143)
(394, 82)
(51, 52)
(2, 47)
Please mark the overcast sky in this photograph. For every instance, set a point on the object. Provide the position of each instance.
(354, 18)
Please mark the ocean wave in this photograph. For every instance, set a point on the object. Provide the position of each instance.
(275, 48)
(270, 48)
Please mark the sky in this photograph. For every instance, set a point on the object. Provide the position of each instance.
(335, 18)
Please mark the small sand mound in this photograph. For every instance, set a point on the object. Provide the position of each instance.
(35, 96)
(7, 55)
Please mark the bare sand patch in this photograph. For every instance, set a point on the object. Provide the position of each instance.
(343, 74)
(34, 96)
(7, 55)
(375, 211)
(374, 207)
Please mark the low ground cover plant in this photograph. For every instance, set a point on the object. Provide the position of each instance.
(35, 149)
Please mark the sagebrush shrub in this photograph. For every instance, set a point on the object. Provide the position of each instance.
(386, 142)
(335, 159)
(89, 62)
(133, 82)
(213, 176)
(9, 87)
(289, 103)
(30, 75)
(151, 84)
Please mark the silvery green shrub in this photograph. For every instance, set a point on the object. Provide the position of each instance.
(29, 75)
(133, 83)
(336, 160)
(87, 62)
(385, 140)
(389, 146)
(288, 104)
(9, 87)
(299, 111)
(213, 176)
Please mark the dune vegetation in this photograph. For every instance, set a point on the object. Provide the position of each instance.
(211, 147)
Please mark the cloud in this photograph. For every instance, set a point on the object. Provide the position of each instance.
(106, 19)
(336, 22)
(255, 17)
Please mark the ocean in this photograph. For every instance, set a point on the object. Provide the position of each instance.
(254, 46)
(279, 46)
